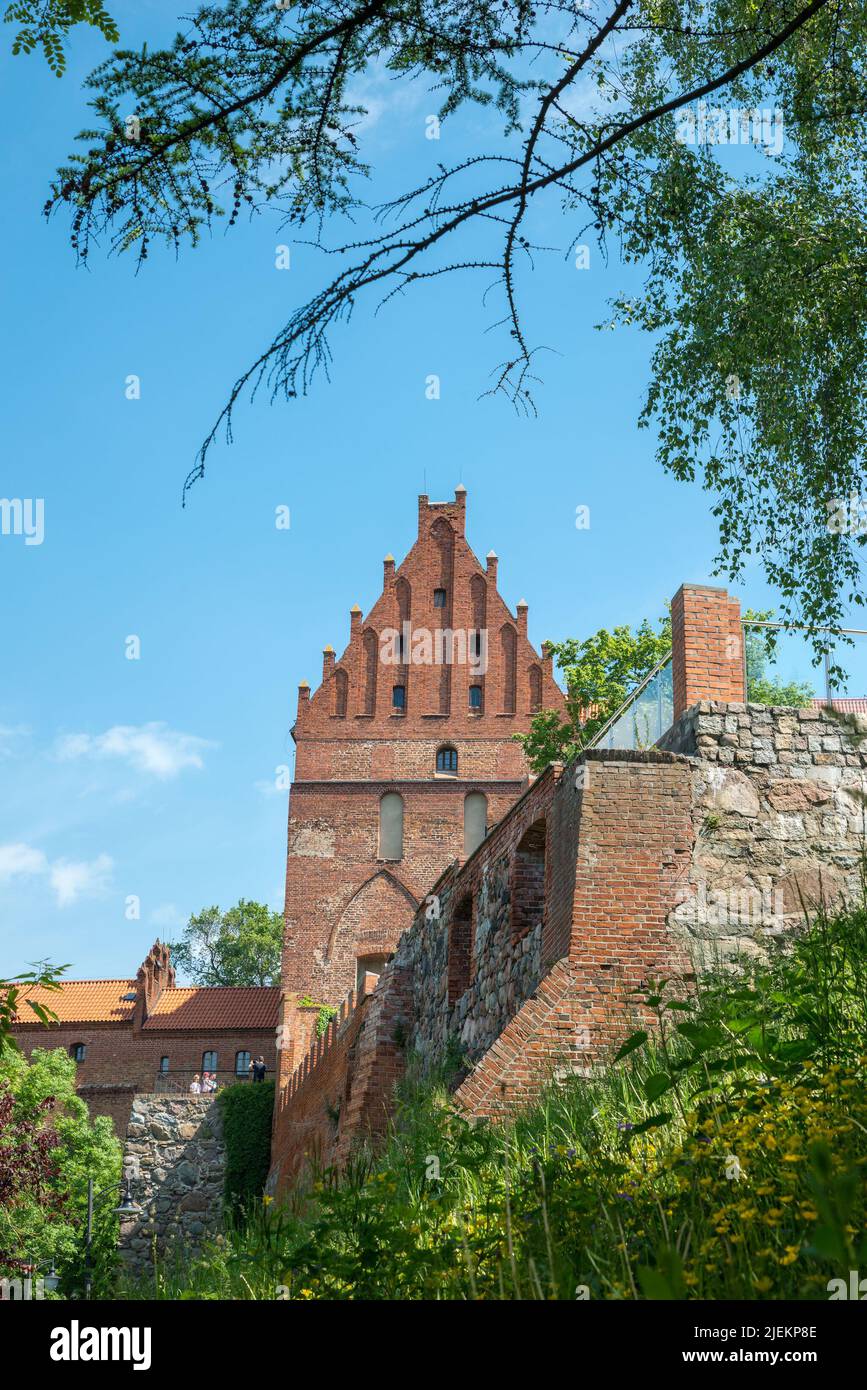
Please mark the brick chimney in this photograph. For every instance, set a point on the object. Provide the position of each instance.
(155, 974)
(707, 647)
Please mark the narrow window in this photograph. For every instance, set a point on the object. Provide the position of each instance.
(164, 1066)
(242, 1064)
(475, 697)
(391, 826)
(398, 698)
(439, 598)
(78, 1052)
(447, 760)
(209, 1061)
(475, 821)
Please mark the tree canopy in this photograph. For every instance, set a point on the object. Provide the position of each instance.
(751, 261)
(242, 946)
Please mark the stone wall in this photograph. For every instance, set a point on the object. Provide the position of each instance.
(778, 806)
(175, 1160)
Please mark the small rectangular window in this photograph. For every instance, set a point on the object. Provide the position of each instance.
(475, 697)
(164, 1065)
(398, 697)
(439, 598)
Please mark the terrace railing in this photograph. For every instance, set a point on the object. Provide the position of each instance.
(645, 715)
(178, 1082)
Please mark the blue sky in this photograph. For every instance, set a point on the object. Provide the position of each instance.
(155, 777)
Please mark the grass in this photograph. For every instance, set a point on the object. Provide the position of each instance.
(721, 1157)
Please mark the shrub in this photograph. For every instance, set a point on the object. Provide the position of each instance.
(247, 1113)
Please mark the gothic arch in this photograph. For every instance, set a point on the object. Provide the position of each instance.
(382, 898)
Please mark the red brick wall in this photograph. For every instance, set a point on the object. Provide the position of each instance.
(633, 858)
(707, 647)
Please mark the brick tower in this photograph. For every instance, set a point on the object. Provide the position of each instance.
(405, 755)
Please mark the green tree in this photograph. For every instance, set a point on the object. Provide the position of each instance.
(43, 1222)
(748, 266)
(46, 23)
(760, 650)
(240, 947)
(600, 672)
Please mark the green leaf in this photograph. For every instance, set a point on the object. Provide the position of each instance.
(631, 1045)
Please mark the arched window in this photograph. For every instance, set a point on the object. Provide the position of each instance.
(447, 760)
(78, 1052)
(398, 698)
(535, 689)
(164, 1066)
(391, 826)
(341, 689)
(242, 1064)
(209, 1061)
(475, 821)
(528, 881)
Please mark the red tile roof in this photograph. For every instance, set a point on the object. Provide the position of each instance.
(80, 1001)
(216, 1007)
(846, 705)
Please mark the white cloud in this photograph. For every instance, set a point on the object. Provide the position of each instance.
(69, 878)
(152, 748)
(73, 879)
(21, 859)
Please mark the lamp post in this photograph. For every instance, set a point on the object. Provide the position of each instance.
(127, 1207)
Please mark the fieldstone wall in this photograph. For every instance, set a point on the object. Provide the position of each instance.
(779, 817)
(504, 972)
(175, 1158)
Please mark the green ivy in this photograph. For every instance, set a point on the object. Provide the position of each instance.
(247, 1112)
(326, 1013)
